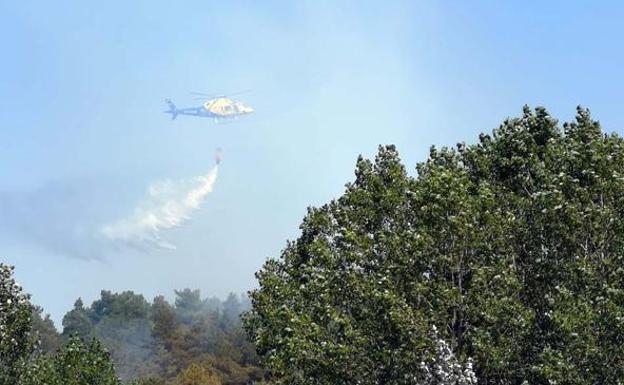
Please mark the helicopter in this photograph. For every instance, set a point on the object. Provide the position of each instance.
(218, 107)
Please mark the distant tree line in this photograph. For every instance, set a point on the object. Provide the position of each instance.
(123, 337)
(160, 340)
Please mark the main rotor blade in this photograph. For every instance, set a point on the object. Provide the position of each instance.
(220, 95)
(201, 93)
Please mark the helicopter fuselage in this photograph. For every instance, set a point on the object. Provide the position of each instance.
(217, 108)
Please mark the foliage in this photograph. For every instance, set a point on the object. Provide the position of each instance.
(16, 340)
(512, 246)
(77, 321)
(153, 344)
(44, 330)
(22, 364)
(76, 363)
(197, 374)
(149, 381)
(444, 368)
(157, 341)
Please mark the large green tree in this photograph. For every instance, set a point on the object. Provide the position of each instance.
(76, 363)
(512, 247)
(16, 341)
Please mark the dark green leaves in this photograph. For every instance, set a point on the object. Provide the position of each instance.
(512, 247)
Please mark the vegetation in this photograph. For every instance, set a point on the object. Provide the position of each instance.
(76, 363)
(16, 341)
(163, 341)
(498, 263)
(511, 247)
(121, 336)
(22, 363)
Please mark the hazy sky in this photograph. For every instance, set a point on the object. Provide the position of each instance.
(83, 134)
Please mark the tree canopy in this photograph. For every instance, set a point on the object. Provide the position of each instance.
(121, 336)
(511, 247)
(16, 340)
(159, 341)
(22, 358)
(76, 363)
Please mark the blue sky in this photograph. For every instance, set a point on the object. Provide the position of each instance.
(83, 134)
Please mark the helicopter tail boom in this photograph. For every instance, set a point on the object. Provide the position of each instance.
(172, 109)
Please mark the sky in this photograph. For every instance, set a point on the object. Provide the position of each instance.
(84, 143)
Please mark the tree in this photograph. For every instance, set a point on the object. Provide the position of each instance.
(164, 321)
(231, 311)
(188, 305)
(197, 374)
(444, 368)
(150, 381)
(154, 343)
(511, 246)
(123, 306)
(45, 332)
(76, 363)
(77, 321)
(21, 364)
(16, 340)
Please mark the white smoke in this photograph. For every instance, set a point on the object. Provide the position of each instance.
(168, 204)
